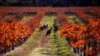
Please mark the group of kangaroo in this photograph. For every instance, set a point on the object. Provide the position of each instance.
(54, 28)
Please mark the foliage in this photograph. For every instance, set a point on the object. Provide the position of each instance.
(11, 33)
(82, 36)
(33, 23)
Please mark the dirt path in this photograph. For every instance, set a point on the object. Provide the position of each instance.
(43, 38)
(41, 49)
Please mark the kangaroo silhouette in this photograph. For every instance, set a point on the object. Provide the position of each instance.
(48, 32)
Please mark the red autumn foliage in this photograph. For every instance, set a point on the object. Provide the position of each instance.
(34, 23)
(94, 29)
(75, 32)
(10, 33)
(83, 35)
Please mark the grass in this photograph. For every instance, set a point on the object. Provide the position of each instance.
(74, 19)
(59, 45)
(50, 20)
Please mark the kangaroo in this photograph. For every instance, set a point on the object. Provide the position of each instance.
(48, 32)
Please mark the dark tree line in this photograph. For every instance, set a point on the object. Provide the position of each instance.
(51, 2)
